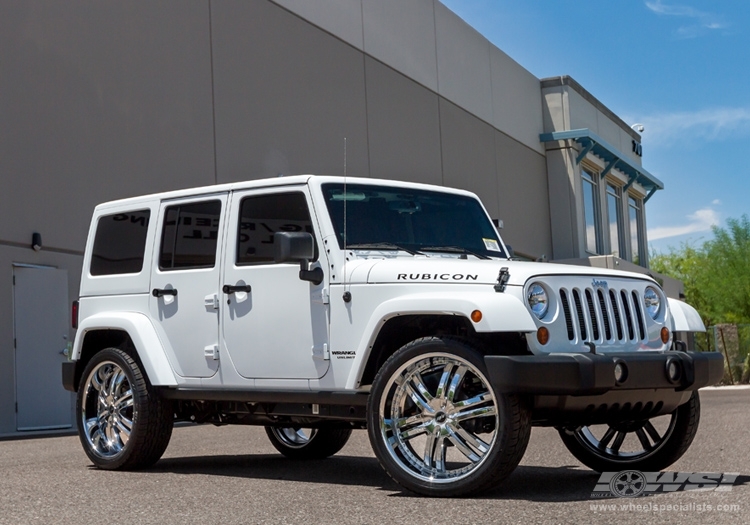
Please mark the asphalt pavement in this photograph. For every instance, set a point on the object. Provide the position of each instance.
(233, 475)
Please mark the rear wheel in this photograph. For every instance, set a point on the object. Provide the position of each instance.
(122, 422)
(308, 443)
(651, 445)
(437, 426)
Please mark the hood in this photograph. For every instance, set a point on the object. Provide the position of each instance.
(464, 271)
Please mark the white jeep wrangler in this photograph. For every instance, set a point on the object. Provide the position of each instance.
(317, 305)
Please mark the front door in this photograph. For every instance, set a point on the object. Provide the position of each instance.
(185, 281)
(40, 311)
(274, 325)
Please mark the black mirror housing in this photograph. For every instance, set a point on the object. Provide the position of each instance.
(293, 247)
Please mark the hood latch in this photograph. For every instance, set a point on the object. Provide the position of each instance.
(502, 279)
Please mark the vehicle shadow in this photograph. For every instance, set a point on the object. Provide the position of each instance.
(526, 483)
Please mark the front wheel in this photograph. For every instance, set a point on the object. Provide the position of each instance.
(650, 446)
(436, 424)
(308, 443)
(122, 422)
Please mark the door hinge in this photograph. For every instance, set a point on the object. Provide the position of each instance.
(321, 352)
(16, 408)
(211, 301)
(211, 352)
(15, 345)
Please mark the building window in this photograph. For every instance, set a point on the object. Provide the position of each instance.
(614, 217)
(591, 211)
(635, 218)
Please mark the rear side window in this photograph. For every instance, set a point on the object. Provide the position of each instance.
(120, 243)
(263, 215)
(189, 236)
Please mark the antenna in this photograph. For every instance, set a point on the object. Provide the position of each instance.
(345, 196)
(347, 294)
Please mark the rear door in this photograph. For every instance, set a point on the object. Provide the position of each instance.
(277, 327)
(185, 281)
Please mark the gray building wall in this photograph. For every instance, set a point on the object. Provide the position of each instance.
(102, 100)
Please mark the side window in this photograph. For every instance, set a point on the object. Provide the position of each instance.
(263, 215)
(119, 243)
(189, 236)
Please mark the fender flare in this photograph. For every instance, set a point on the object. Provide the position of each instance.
(685, 318)
(150, 349)
(500, 313)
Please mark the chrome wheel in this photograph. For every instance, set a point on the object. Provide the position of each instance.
(628, 441)
(647, 445)
(308, 443)
(107, 410)
(294, 437)
(439, 417)
(123, 422)
(437, 426)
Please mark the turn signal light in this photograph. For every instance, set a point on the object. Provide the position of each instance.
(664, 334)
(476, 316)
(542, 335)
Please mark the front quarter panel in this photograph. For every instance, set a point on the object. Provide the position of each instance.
(685, 318)
(500, 313)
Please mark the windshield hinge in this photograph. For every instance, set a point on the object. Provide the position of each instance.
(502, 279)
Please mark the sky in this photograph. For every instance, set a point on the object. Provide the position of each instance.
(681, 68)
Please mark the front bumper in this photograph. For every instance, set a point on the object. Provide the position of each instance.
(594, 374)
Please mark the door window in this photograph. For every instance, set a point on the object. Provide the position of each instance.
(263, 215)
(189, 236)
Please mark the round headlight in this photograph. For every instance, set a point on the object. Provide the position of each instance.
(652, 302)
(538, 300)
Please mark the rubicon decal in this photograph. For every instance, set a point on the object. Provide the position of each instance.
(437, 277)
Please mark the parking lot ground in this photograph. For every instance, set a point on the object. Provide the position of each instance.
(233, 475)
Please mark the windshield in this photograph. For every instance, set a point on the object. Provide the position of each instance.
(380, 217)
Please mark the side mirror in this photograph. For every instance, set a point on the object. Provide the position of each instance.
(293, 247)
(297, 247)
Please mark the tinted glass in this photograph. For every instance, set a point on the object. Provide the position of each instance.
(189, 236)
(415, 219)
(263, 215)
(613, 212)
(634, 219)
(119, 243)
(589, 212)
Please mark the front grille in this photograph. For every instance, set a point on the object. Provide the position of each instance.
(599, 316)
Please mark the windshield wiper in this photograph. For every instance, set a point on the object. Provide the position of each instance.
(454, 249)
(382, 246)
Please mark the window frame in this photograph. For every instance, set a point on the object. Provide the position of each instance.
(161, 233)
(590, 176)
(237, 226)
(616, 194)
(92, 264)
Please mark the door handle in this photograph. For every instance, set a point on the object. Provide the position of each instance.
(161, 292)
(230, 289)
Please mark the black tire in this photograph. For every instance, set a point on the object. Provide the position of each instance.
(123, 423)
(456, 435)
(308, 443)
(636, 445)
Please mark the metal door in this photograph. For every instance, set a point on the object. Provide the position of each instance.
(185, 281)
(40, 312)
(278, 327)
